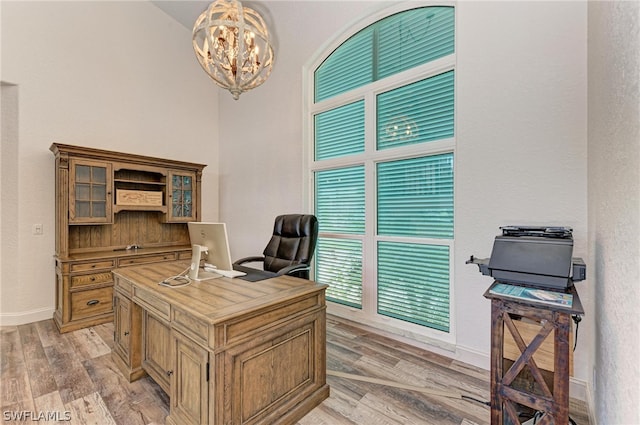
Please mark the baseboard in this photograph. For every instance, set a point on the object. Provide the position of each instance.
(578, 390)
(473, 357)
(24, 317)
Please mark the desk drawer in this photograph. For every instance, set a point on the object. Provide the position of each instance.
(190, 326)
(134, 261)
(123, 286)
(97, 265)
(91, 303)
(150, 302)
(91, 279)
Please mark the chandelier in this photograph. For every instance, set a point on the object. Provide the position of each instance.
(232, 45)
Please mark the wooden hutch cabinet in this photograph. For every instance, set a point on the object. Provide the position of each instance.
(115, 210)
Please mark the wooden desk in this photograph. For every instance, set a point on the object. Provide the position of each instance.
(507, 398)
(226, 351)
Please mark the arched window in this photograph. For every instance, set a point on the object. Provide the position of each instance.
(381, 128)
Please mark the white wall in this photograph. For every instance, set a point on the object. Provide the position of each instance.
(112, 75)
(521, 153)
(521, 136)
(614, 209)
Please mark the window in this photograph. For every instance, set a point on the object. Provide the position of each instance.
(382, 114)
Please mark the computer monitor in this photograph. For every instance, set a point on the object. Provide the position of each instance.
(209, 242)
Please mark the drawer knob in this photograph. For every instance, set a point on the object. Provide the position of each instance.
(93, 279)
(126, 333)
(169, 372)
(93, 302)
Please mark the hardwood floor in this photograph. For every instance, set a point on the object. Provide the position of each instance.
(72, 378)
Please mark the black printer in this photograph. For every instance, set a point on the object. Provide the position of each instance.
(533, 256)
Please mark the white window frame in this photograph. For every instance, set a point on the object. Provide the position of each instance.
(370, 157)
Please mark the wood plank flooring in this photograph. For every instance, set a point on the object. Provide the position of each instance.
(71, 378)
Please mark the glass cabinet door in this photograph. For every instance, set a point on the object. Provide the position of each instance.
(90, 192)
(182, 195)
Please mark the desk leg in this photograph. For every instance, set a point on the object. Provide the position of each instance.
(497, 365)
(561, 363)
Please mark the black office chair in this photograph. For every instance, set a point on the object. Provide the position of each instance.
(288, 252)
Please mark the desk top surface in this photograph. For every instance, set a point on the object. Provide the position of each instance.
(219, 299)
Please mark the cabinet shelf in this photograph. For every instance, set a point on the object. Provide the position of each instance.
(158, 208)
(143, 182)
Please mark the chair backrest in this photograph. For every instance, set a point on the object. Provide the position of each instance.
(293, 241)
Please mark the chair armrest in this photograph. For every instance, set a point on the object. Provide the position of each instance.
(249, 260)
(292, 268)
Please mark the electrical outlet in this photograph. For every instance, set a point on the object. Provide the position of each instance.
(38, 229)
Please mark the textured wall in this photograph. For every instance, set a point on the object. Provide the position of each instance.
(614, 207)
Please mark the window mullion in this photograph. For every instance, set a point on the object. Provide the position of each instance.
(369, 278)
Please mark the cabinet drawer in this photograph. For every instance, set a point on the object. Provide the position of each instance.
(91, 303)
(91, 279)
(122, 262)
(184, 255)
(83, 267)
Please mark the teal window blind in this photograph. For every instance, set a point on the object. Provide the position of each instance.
(413, 283)
(339, 131)
(416, 113)
(348, 67)
(415, 197)
(339, 264)
(387, 47)
(408, 39)
(340, 200)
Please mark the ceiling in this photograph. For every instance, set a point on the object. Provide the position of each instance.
(187, 11)
(184, 11)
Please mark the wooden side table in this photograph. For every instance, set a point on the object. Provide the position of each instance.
(507, 397)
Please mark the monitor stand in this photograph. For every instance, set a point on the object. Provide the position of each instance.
(195, 271)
